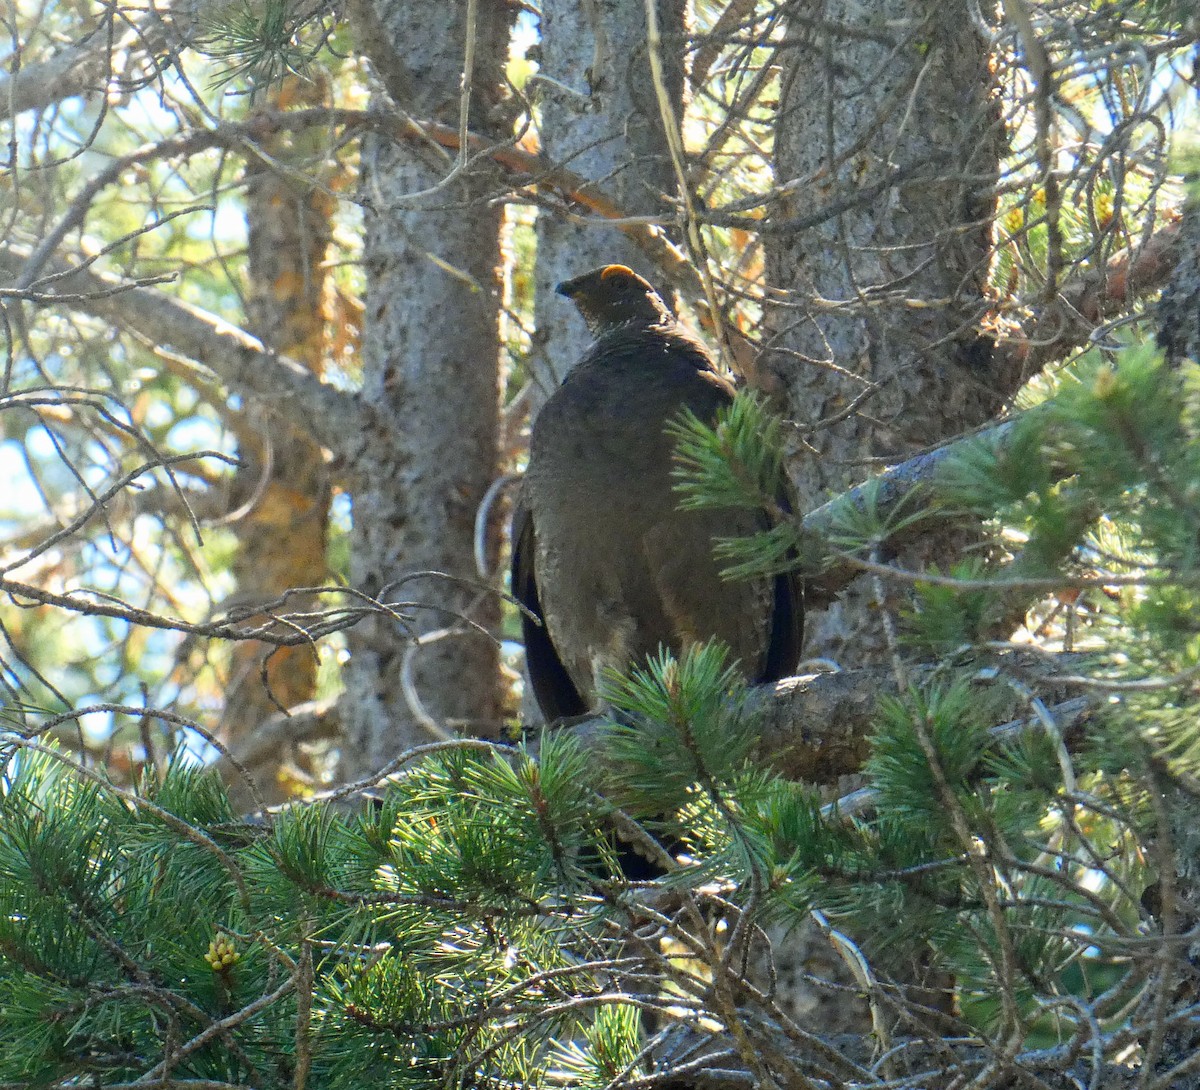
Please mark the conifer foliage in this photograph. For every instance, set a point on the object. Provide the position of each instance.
(471, 924)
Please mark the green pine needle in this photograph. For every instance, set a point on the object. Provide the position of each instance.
(259, 42)
(735, 462)
(683, 724)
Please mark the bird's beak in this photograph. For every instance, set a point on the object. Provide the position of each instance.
(568, 287)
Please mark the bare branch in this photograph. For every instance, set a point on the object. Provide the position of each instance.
(240, 360)
(1084, 301)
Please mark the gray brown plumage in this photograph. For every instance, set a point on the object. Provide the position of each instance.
(600, 550)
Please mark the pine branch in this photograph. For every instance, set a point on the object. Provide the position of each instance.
(1087, 299)
(239, 359)
(816, 728)
(908, 486)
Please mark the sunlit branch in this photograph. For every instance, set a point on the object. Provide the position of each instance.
(239, 359)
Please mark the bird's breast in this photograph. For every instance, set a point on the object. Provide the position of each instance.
(621, 570)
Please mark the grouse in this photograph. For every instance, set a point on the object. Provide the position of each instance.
(601, 552)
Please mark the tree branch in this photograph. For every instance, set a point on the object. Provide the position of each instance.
(906, 487)
(1086, 300)
(815, 728)
(312, 721)
(85, 66)
(75, 70)
(242, 362)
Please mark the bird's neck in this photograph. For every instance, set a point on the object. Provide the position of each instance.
(664, 323)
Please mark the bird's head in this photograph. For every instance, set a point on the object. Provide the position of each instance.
(615, 297)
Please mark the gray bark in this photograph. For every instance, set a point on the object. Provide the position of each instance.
(334, 417)
(600, 119)
(430, 370)
(893, 122)
(884, 114)
(1179, 308)
(1179, 897)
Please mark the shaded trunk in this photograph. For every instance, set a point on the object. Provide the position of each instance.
(600, 118)
(888, 143)
(1179, 308)
(1174, 900)
(889, 126)
(281, 493)
(431, 373)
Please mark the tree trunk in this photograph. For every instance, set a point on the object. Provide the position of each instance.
(600, 118)
(282, 491)
(889, 141)
(431, 373)
(1178, 898)
(1179, 308)
(888, 144)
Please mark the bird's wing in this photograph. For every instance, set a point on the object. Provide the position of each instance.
(787, 616)
(787, 628)
(553, 689)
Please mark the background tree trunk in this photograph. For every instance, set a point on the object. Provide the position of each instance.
(431, 370)
(282, 491)
(1179, 308)
(600, 118)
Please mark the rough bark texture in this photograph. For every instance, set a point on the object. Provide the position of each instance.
(884, 298)
(811, 727)
(1179, 338)
(430, 369)
(600, 119)
(884, 104)
(282, 489)
(1179, 309)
